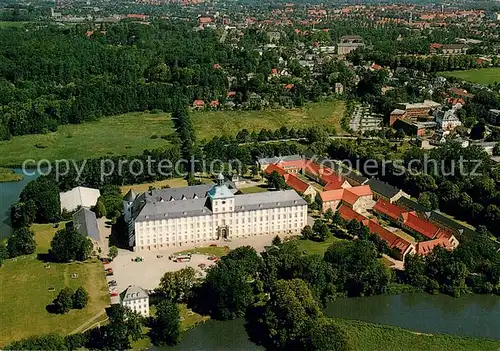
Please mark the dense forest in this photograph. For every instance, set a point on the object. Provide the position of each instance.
(52, 76)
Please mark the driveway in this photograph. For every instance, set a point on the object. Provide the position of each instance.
(148, 273)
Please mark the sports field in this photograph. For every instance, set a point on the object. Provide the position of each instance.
(25, 283)
(128, 134)
(483, 76)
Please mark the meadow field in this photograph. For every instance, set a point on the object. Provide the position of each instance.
(25, 283)
(132, 133)
(376, 337)
(128, 134)
(208, 124)
(480, 75)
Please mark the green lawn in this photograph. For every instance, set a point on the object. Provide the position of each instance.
(374, 337)
(141, 188)
(217, 251)
(481, 75)
(25, 282)
(190, 319)
(253, 190)
(128, 134)
(208, 124)
(315, 247)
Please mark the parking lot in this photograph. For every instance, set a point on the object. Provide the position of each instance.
(148, 273)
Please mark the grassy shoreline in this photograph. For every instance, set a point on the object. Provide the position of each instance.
(369, 337)
(8, 175)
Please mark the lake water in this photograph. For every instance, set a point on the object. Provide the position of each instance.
(475, 315)
(472, 315)
(9, 194)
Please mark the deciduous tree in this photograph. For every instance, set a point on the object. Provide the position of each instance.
(21, 242)
(80, 298)
(165, 328)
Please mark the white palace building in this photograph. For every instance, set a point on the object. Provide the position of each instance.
(203, 214)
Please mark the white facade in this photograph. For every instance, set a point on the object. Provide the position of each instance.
(137, 299)
(220, 215)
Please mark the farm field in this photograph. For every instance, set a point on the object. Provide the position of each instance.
(128, 134)
(25, 283)
(208, 124)
(481, 75)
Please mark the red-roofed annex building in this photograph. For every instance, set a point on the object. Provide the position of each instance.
(411, 222)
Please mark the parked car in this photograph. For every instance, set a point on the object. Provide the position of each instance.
(212, 258)
(105, 260)
(114, 293)
(107, 270)
(108, 274)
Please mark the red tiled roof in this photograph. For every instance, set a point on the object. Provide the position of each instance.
(349, 214)
(332, 181)
(295, 183)
(390, 238)
(198, 103)
(421, 226)
(214, 103)
(289, 86)
(362, 190)
(390, 210)
(376, 67)
(425, 247)
(295, 164)
(349, 195)
(274, 71)
(326, 174)
(205, 20)
(272, 168)
(332, 195)
(441, 233)
(231, 93)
